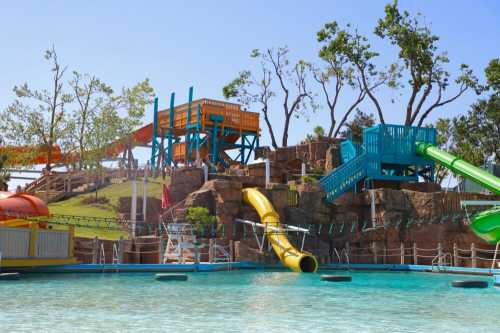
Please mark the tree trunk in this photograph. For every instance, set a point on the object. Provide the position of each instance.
(332, 124)
(270, 128)
(284, 142)
(48, 166)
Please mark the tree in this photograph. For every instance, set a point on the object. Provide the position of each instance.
(444, 141)
(492, 73)
(291, 82)
(319, 131)
(132, 102)
(4, 174)
(476, 135)
(115, 119)
(355, 126)
(246, 90)
(419, 54)
(349, 48)
(90, 94)
(107, 126)
(346, 58)
(40, 122)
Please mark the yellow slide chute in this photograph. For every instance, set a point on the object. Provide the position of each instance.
(289, 255)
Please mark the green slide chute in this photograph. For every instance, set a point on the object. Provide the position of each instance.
(485, 224)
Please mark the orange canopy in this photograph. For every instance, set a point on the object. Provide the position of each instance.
(27, 155)
(14, 205)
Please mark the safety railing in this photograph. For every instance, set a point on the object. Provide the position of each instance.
(438, 258)
(344, 177)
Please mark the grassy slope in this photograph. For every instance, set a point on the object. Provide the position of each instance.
(113, 192)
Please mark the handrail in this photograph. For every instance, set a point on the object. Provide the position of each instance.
(438, 260)
(344, 253)
(344, 177)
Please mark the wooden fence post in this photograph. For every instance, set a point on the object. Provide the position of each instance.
(161, 251)
(196, 256)
(95, 249)
(211, 250)
(120, 250)
(231, 250)
(440, 254)
(473, 255)
(402, 250)
(71, 242)
(415, 254)
(375, 254)
(348, 251)
(455, 254)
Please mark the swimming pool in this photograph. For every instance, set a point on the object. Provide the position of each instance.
(246, 301)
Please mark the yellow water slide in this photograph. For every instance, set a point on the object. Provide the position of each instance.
(288, 254)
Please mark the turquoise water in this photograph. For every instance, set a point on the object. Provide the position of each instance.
(246, 301)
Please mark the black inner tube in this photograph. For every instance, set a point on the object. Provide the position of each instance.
(470, 284)
(308, 264)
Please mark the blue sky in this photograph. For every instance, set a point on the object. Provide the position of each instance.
(205, 43)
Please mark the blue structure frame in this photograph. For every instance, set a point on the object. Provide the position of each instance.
(196, 137)
(387, 153)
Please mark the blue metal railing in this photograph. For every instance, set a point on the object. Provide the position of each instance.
(344, 177)
(349, 150)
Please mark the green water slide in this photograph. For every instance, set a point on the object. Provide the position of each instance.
(485, 224)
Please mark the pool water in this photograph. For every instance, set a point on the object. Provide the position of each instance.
(246, 301)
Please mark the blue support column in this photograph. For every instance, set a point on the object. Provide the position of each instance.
(155, 145)
(242, 148)
(216, 119)
(171, 126)
(198, 126)
(188, 126)
(215, 154)
(251, 148)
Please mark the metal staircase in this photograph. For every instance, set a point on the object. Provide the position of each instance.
(344, 177)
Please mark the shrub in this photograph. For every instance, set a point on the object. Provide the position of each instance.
(200, 217)
(93, 200)
(308, 179)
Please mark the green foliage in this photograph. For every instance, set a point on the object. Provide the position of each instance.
(352, 58)
(423, 62)
(319, 131)
(492, 73)
(37, 117)
(307, 179)
(98, 117)
(200, 217)
(297, 99)
(444, 129)
(238, 89)
(355, 126)
(91, 95)
(476, 135)
(4, 174)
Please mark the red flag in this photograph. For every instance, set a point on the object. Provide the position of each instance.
(165, 197)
